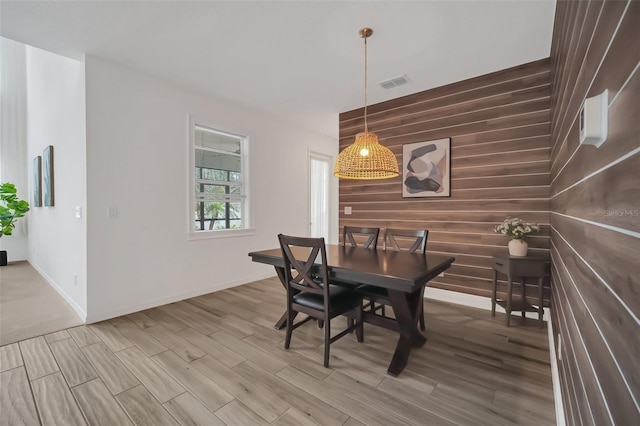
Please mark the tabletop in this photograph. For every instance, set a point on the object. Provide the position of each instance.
(397, 270)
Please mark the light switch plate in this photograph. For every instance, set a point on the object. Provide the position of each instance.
(347, 210)
(78, 212)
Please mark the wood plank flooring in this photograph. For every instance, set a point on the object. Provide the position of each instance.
(204, 362)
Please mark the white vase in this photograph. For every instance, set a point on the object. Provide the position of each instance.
(518, 248)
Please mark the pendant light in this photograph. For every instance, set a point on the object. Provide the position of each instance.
(366, 158)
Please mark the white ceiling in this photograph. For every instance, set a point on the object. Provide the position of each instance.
(299, 59)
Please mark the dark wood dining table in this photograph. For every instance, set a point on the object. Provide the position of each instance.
(402, 274)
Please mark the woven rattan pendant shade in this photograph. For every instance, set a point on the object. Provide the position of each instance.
(366, 159)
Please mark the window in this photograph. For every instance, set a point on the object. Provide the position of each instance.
(220, 181)
(319, 194)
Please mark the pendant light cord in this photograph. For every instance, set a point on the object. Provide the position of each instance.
(365, 85)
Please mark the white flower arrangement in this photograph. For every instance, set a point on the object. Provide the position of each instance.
(517, 228)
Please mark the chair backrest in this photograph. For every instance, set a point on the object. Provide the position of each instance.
(419, 235)
(309, 277)
(349, 231)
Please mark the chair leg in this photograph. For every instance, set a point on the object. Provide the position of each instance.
(359, 326)
(327, 343)
(320, 323)
(372, 306)
(287, 339)
(383, 314)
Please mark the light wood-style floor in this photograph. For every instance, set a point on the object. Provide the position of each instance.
(216, 360)
(29, 306)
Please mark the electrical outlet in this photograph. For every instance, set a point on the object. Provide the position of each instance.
(112, 212)
(347, 210)
(75, 279)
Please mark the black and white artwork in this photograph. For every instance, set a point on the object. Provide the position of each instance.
(426, 169)
(37, 181)
(47, 176)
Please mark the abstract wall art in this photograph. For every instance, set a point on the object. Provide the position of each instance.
(47, 176)
(37, 181)
(426, 169)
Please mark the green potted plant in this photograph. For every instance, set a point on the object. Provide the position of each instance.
(11, 208)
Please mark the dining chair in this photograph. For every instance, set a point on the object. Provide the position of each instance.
(309, 291)
(348, 233)
(413, 241)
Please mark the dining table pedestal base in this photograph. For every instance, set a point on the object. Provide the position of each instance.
(282, 322)
(405, 308)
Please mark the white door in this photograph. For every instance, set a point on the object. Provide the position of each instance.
(319, 192)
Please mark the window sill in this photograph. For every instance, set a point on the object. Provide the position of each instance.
(222, 233)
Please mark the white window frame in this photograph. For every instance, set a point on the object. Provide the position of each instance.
(245, 164)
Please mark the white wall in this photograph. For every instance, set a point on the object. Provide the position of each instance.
(55, 111)
(137, 161)
(13, 137)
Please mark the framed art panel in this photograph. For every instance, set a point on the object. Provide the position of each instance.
(426, 169)
(47, 176)
(37, 181)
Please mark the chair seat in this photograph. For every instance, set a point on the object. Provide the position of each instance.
(341, 299)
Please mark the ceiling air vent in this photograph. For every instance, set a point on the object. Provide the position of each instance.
(394, 82)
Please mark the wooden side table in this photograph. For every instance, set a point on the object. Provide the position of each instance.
(521, 267)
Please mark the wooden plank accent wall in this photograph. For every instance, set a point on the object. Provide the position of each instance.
(499, 125)
(595, 213)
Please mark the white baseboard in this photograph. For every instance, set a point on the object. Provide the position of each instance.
(74, 305)
(148, 304)
(555, 377)
(471, 301)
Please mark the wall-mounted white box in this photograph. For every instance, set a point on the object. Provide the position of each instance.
(593, 120)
